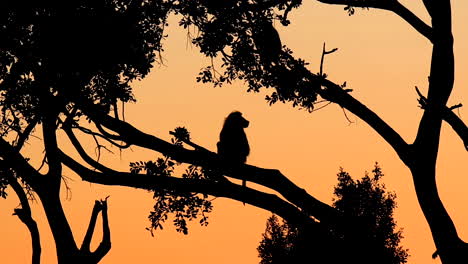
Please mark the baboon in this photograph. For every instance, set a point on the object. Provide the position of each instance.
(233, 145)
(267, 42)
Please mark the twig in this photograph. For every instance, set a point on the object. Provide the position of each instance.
(325, 52)
(346, 116)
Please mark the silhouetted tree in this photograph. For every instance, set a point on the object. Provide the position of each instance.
(57, 57)
(64, 62)
(278, 242)
(365, 199)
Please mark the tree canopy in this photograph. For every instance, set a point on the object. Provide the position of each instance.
(65, 66)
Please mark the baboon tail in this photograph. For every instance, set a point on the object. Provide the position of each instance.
(244, 185)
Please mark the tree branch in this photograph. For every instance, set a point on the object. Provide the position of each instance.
(336, 94)
(457, 124)
(23, 136)
(19, 164)
(24, 214)
(413, 20)
(105, 244)
(226, 189)
(390, 5)
(85, 245)
(267, 177)
(83, 153)
(50, 143)
(450, 117)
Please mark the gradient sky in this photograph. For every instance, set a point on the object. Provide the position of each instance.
(380, 56)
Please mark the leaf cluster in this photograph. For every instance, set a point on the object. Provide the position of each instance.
(183, 206)
(83, 52)
(228, 33)
(3, 186)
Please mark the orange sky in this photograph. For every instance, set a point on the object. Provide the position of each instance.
(381, 58)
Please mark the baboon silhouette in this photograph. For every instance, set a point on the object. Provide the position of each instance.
(233, 145)
(268, 43)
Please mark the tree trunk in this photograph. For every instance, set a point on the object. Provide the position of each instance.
(450, 248)
(67, 251)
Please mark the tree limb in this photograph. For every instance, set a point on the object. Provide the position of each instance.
(457, 124)
(390, 5)
(86, 244)
(23, 136)
(24, 214)
(267, 177)
(105, 244)
(83, 153)
(50, 144)
(336, 94)
(18, 163)
(450, 117)
(413, 20)
(226, 189)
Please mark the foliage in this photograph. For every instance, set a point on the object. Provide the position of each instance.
(3, 186)
(184, 206)
(277, 241)
(366, 200)
(5, 173)
(228, 29)
(55, 55)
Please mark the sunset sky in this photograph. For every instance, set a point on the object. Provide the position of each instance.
(381, 58)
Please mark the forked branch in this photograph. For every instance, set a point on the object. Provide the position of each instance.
(450, 117)
(105, 245)
(24, 214)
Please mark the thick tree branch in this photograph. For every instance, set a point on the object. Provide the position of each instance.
(86, 244)
(75, 142)
(24, 214)
(390, 5)
(24, 135)
(51, 148)
(18, 163)
(105, 245)
(457, 124)
(450, 117)
(334, 93)
(413, 20)
(269, 178)
(226, 189)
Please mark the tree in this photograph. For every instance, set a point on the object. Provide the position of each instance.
(54, 59)
(366, 199)
(49, 83)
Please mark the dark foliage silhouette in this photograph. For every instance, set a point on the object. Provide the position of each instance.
(57, 58)
(375, 240)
